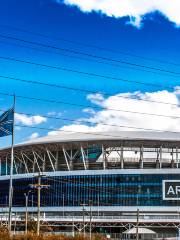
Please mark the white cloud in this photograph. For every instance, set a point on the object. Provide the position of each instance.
(54, 114)
(33, 136)
(135, 9)
(89, 110)
(119, 118)
(73, 128)
(29, 120)
(96, 98)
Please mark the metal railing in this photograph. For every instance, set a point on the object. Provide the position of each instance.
(71, 218)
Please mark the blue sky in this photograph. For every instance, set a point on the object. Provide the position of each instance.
(157, 37)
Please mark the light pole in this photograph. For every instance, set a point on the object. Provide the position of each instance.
(26, 195)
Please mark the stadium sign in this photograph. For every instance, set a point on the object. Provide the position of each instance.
(171, 189)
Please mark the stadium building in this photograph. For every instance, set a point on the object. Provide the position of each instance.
(110, 181)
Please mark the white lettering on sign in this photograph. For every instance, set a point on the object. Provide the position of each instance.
(173, 191)
(177, 189)
(170, 190)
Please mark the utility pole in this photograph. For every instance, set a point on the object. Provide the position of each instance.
(137, 225)
(26, 217)
(84, 226)
(39, 186)
(26, 195)
(90, 222)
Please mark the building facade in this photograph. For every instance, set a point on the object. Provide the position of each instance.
(105, 178)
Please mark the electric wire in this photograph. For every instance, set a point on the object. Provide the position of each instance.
(157, 69)
(85, 120)
(77, 89)
(90, 122)
(86, 59)
(87, 45)
(91, 74)
(97, 133)
(76, 183)
(90, 107)
(90, 55)
(13, 59)
(99, 188)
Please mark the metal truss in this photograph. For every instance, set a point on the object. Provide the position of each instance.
(80, 225)
(60, 157)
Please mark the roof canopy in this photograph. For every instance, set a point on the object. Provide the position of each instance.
(126, 138)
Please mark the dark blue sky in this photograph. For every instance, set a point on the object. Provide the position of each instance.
(156, 39)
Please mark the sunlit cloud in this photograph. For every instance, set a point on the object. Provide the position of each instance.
(134, 9)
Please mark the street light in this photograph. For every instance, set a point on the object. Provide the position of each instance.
(26, 202)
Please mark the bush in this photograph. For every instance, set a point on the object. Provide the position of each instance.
(99, 237)
(4, 234)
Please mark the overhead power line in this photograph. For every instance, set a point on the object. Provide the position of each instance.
(87, 45)
(92, 133)
(88, 106)
(93, 122)
(97, 133)
(91, 55)
(112, 125)
(98, 189)
(77, 89)
(76, 183)
(83, 72)
(87, 59)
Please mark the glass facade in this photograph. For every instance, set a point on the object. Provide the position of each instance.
(101, 190)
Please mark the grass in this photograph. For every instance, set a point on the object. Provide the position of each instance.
(4, 235)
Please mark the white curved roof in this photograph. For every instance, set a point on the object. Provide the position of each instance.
(130, 136)
(121, 135)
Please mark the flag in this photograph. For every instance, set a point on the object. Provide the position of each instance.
(6, 123)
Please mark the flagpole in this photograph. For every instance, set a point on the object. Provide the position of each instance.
(11, 172)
